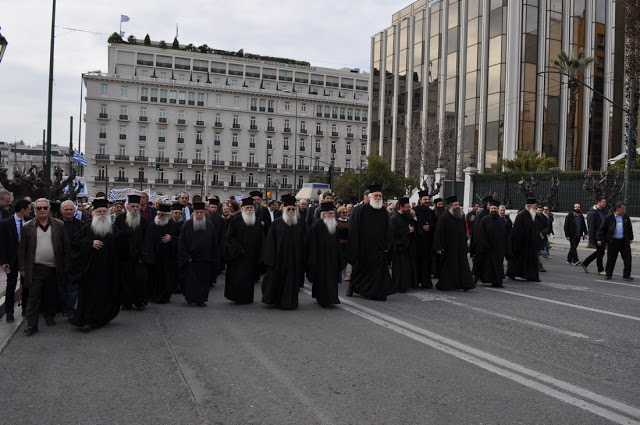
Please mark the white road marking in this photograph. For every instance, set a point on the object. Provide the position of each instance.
(563, 286)
(617, 283)
(595, 310)
(545, 384)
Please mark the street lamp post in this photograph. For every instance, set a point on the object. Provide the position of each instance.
(47, 168)
(140, 171)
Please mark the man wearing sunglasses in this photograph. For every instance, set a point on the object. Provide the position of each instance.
(42, 257)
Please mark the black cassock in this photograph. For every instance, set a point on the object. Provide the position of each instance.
(284, 256)
(424, 240)
(524, 247)
(369, 238)
(133, 255)
(473, 242)
(98, 279)
(199, 259)
(325, 261)
(165, 259)
(451, 239)
(492, 246)
(219, 226)
(404, 272)
(244, 244)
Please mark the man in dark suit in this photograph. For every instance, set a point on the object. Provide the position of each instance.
(146, 210)
(616, 231)
(10, 235)
(5, 204)
(68, 292)
(183, 198)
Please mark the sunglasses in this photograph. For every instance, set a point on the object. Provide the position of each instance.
(42, 208)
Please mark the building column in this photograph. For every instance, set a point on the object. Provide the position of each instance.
(409, 136)
(564, 91)
(440, 174)
(512, 83)
(587, 94)
(484, 70)
(469, 172)
(396, 87)
(442, 75)
(425, 89)
(383, 89)
(543, 79)
(370, 93)
(462, 79)
(608, 83)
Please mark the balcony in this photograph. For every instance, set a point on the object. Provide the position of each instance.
(154, 98)
(163, 100)
(285, 147)
(162, 160)
(232, 72)
(286, 186)
(302, 80)
(179, 181)
(346, 86)
(235, 125)
(253, 74)
(142, 138)
(182, 102)
(234, 144)
(180, 139)
(199, 123)
(364, 119)
(263, 109)
(286, 166)
(363, 136)
(122, 157)
(179, 160)
(302, 149)
(319, 133)
(143, 119)
(200, 68)
(317, 82)
(163, 64)
(201, 103)
(147, 63)
(101, 178)
(181, 121)
(217, 162)
(217, 124)
(334, 134)
(102, 156)
(140, 180)
(327, 115)
(102, 135)
(363, 88)
(337, 169)
(144, 98)
(198, 161)
(162, 120)
(270, 109)
(269, 76)
(198, 141)
(318, 150)
(252, 146)
(123, 117)
(103, 116)
(269, 146)
(348, 151)
(302, 167)
(342, 117)
(121, 180)
(319, 114)
(253, 164)
(254, 108)
(123, 137)
(197, 182)
(252, 184)
(334, 116)
(287, 130)
(217, 183)
(318, 168)
(303, 131)
(271, 129)
(191, 102)
(141, 158)
(329, 84)
(281, 78)
(161, 139)
(173, 101)
(350, 117)
(218, 71)
(235, 184)
(162, 181)
(179, 66)
(216, 143)
(357, 118)
(349, 135)
(235, 163)
(253, 127)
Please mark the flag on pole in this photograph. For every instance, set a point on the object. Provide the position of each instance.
(124, 18)
(176, 30)
(77, 157)
(112, 195)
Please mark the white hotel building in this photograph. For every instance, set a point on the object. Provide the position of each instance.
(217, 123)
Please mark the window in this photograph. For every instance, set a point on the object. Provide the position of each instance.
(121, 174)
(123, 91)
(216, 177)
(160, 152)
(269, 142)
(319, 110)
(318, 146)
(287, 106)
(234, 177)
(101, 172)
(218, 119)
(216, 81)
(199, 137)
(173, 95)
(182, 77)
(303, 126)
(143, 111)
(251, 177)
(303, 107)
(234, 156)
(123, 111)
(179, 175)
(285, 144)
(363, 149)
(234, 140)
(122, 150)
(253, 122)
(269, 123)
(102, 149)
(349, 129)
(103, 109)
(123, 131)
(270, 106)
(252, 158)
(192, 98)
(302, 144)
(357, 114)
(180, 153)
(252, 84)
(269, 156)
(334, 128)
(333, 146)
(144, 92)
(236, 101)
(181, 136)
(163, 113)
(350, 114)
(201, 99)
(252, 141)
(163, 75)
(154, 95)
(285, 181)
(285, 160)
(218, 99)
(142, 132)
(347, 164)
(216, 156)
(300, 181)
(198, 153)
(142, 151)
(317, 163)
(236, 120)
(318, 127)
(286, 125)
(216, 139)
(104, 88)
(200, 117)
(160, 174)
(182, 98)
(348, 148)
(267, 86)
(254, 104)
(103, 130)
(341, 113)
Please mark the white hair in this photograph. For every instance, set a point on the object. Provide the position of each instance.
(101, 224)
(376, 204)
(290, 219)
(43, 200)
(132, 218)
(249, 217)
(331, 224)
(161, 222)
(199, 224)
(67, 202)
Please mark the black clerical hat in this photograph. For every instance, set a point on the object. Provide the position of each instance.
(133, 199)
(214, 201)
(255, 193)
(100, 203)
(176, 206)
(435, 201)
(198, 206)
(55, 206)
(495, 203)
(403, 201)
(288, 200)
(164, 207)
(247, 201)
(423, 193)
(326, 206)
(531, 201)
(487, 199)
(452, 199)
(375, 188)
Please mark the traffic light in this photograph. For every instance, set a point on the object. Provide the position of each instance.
(159, 168)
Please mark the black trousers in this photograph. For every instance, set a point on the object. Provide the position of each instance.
(624, 248)
(43, 294)
(597, 255)
(572, 256)
(10, 297)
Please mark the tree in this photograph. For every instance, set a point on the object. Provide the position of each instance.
(132, 39)
(574, 66)
(204, 48)
(528, 162)
(394, 184)
(115, 38)
(162, 44)
(175, 44)
(621, 164)
(147, 40)
(632, 66)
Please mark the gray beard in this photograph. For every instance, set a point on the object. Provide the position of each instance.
(532, 211)
(376, 204)
(199, 224)
(331, 224)
(457, 213)
(177, 219)
(290, 219)
(161, 222)
(101, 225)
(133, 219)
(249, 218)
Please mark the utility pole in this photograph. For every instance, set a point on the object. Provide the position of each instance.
(47, 168)
(627, 171)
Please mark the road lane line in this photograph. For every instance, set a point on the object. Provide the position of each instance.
(617, 283)
(501, 367)
(595, 310)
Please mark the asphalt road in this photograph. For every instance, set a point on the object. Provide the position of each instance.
(563, 351)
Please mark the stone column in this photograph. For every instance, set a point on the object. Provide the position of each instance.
(467, 201)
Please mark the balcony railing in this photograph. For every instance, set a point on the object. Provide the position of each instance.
(147, 63)
(285, 147)
(346, 86)
(235, 184)
(253, 127)
(101, 178)
(187, 67)
(364, 88)
(200, 68)
(154, 98)
(269, 76)
(334, 116)
(317, 82)
(252, 184)
(102, 135)
(200, 123)
(342, 117)
(232, 72)
(318, 168)
(287, 130)
(254, 108)
(123, 137)
(286, 186)
(144, 98)
(179, 181)
(303, 131)
(163, 100)
(141, 158)
(319, 133)
(363, 136)
(349, 135)
(197, 182)
(162, 159)
(180, 139)
(201, 103)
(303, 167)
(253, 74)
(121, 180)
(253, 164)
(281, 78)
(198, 161)
(329, 84)
(181, 121)
(235, 125)
(163, 64)
(218, 71)
(217, 183)
(271, 129)
(144, 119)
(198, 141)
(162, 181)
(122, 157)
(162, 120)
(140, 180)
(103, 116)
(217, 162)
(318, 149)
(302, 80)
(102, 156)
(286, 166)
(191, 102)
(123, 117)
(334, 134)
(350, 117)
(270, 109)
(235, 163)
(142, 138)
(252, 145)
(179, 160)
(302, 148)
(217, 124)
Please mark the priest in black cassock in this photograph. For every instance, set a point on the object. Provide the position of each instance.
(164, 237)
(404, 230)
(214, 216)
(367, 249)
(450, 243)
(94, 261)
(133, 254)
(284, 256)
(244, 255)
(424, 240)
(325, 260)
(198, 256)
(261, 212)
(176, 214)
(486, 205)
(524, 245)
(492, 246)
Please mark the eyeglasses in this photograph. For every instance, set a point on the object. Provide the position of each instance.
(42, 208)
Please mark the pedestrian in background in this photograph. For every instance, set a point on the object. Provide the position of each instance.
(544, 229)
(617, 232)
(575, 229)
(595, 217)
(547, 246)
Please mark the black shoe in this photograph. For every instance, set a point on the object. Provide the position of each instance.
(140, 307)
(428, 285)
(50, 321)
(10, 318)
(533, 280)
(24, 312)
(349, 292)
(497, 285)
(627, 278)
(202, 304)
(585, 267)
(29, 330)
(126, 307)
(511, 277)
(607, 277)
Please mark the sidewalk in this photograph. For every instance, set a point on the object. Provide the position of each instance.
(558, 242)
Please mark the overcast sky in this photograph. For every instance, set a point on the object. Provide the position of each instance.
(329, 33)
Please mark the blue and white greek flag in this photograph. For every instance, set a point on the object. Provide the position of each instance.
(124, 18)
(112, 196)
(77, 157)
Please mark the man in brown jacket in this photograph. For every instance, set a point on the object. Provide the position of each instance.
(42, 259)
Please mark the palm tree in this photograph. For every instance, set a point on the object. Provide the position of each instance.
(574, 66)
(632, 65)
(528, 161)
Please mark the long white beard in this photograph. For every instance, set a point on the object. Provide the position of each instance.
(133, 219)
(249, 218)
(290, 219)
(101, 225)
(532, 211)
(199, 224)
(161, 222)
(376, 204)
(331, 224)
